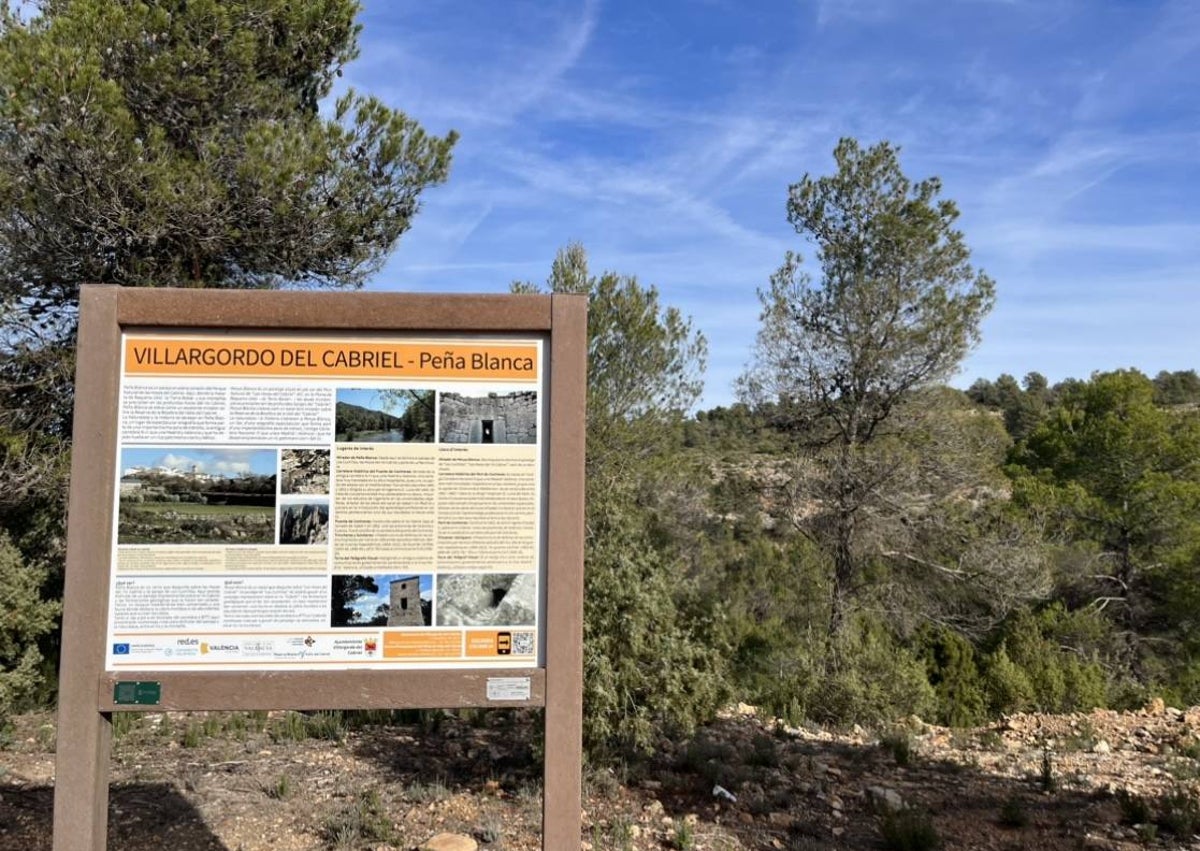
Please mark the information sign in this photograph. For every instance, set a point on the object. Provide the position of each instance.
(327, 502)
(286, 500)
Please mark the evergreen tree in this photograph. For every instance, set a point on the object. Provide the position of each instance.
(173, 143)
(26, 619)
(1111, 469)
(896, 308)
(648, 668)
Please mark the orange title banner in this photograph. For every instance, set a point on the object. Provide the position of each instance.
(331, 359)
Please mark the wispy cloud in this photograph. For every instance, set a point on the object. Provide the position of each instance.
(664, 137)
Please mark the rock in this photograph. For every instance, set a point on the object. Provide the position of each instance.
(1155, 707)
(883, 799)
(781, 820)
(449, 842)
(1102, 747)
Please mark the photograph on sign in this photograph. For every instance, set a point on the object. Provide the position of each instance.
(292, 504)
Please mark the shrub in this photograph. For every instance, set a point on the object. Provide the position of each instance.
(874, 680)
(1030, 669)
(1179, 814)
(364, 820)
(951, 668)
(1134, 808)
(1013, 813)
(1008, 686)
(27, 617)
(647, 669)
(1047, 779)
(685, 836)
(900, 745)
(909, 830)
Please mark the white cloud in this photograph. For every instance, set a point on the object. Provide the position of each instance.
(183, 463)
(570, 136)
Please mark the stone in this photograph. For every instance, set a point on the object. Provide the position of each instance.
(449, 842)
(781, 820)
(1102, 747)
(883, 799)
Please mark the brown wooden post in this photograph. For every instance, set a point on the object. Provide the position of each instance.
(563, 767)
(84, 733)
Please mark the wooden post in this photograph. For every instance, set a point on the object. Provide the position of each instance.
(85, 734)
(563, 765)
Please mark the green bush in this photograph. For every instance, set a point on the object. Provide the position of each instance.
(1008, 686)
(646, 669)
(900, 745)
(909, 830)
(1032, 669)
(1179, 814)
(773, 614)
(958, 686)
(874, 680)
(1013, 812)
(27, 617)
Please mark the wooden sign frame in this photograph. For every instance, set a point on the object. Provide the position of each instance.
(86, 689)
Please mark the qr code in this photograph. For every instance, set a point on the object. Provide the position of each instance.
(522, 643)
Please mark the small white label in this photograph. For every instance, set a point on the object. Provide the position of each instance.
(508, 688)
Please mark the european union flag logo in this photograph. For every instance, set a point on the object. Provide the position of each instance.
(120, 649)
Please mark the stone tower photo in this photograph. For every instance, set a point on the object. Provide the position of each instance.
(404, 608)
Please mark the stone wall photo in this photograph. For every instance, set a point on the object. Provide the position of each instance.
(487, 599)
(494, 418)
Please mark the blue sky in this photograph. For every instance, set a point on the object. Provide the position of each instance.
(663, 136)
(217, 462)
(367, 603)
(375, 400)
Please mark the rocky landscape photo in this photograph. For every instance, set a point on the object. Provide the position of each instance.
(304, 522)
(304, 471)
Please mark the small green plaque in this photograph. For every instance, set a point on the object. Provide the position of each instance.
(137, 693)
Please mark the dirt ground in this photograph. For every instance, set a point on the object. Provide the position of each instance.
(291, 782)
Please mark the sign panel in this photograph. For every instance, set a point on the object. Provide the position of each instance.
(293, 503)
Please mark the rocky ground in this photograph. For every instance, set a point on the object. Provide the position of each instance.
(288, 782)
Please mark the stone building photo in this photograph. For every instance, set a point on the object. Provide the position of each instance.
(405, 606)
(494, 418)
(381, 599)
